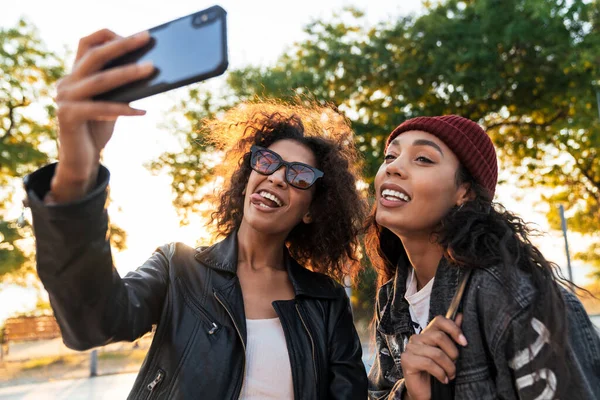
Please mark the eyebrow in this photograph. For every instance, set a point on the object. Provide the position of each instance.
(422, 142)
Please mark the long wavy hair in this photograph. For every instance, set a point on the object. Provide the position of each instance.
(330, 243)
(478, 234)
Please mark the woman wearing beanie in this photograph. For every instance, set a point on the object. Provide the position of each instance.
(440, 246)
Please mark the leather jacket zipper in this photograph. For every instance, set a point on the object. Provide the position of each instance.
(312, 343)
(213, 326)
(157, 379)
(241, 339)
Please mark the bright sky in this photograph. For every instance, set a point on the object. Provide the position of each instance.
(258, 32)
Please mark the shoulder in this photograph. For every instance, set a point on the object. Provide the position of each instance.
(178, 257)
(322, 285)
(497, 286)
(496, 301)
(579, 319)
(172, 249)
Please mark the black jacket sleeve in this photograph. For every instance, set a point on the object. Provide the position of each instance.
(348, 378)
(93, 305)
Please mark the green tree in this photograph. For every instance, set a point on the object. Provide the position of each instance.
(190, 167)
(27, 72)
(524, 69)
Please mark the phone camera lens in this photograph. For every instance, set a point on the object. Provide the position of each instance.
(200, 19)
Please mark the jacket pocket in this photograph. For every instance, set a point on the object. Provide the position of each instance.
(211, 324)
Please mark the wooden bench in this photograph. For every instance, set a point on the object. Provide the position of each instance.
(28, 329)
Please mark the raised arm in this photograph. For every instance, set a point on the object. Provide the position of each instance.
(91, 302)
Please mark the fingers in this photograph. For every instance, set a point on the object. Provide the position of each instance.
(95, 58)
(70, 112)
(414, 363)
(449, 327)
(85, 81)
(95, 39)
(104, 81)
(439, 340)
(434, 350)
(436, 355)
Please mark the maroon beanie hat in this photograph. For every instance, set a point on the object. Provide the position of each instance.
(465, 138)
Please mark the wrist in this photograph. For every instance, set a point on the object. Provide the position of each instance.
(68, 186)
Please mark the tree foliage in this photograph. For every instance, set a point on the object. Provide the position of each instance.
(27, 132)
(28, 72)
(526, 70)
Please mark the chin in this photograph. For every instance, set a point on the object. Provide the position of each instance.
(393, 224)
(384, 219)
(263, 226)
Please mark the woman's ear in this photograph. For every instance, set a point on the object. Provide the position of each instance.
(307, 219)
(465, 194)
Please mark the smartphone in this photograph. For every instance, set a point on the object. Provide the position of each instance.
(186, 50)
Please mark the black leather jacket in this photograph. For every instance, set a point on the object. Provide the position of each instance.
(194, 298)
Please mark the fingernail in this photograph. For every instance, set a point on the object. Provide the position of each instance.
(446, 380)
(146, 66)
(142, 35)
(462, 340)
(138, 112)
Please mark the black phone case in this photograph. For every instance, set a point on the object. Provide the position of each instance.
(137, 90)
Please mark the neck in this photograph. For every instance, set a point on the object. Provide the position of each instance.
(258, 250)
(424, 257)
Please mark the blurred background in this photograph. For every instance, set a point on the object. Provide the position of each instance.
(526, 70)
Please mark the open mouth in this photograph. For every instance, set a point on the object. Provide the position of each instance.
(394, 195)
(267, 200)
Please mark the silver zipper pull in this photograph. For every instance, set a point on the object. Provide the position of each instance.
(156, 381)
(213, 329)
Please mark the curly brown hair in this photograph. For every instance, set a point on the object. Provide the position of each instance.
(330, 243)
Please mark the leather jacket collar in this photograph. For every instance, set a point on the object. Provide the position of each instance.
(223, 257)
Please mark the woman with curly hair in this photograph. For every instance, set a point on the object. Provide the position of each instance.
(258, 315)
(434, 235)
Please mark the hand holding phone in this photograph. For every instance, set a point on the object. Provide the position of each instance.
(85, 126)
(110, 70)
(183, 51)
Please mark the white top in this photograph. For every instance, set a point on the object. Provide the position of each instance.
(418, 302)
(268, 370)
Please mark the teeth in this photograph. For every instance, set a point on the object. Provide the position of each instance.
(390, 194)
(269, 196)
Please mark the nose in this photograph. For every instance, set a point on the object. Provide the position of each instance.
(277, 178)
(396, 167)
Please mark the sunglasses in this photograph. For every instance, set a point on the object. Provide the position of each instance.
(297, 174)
